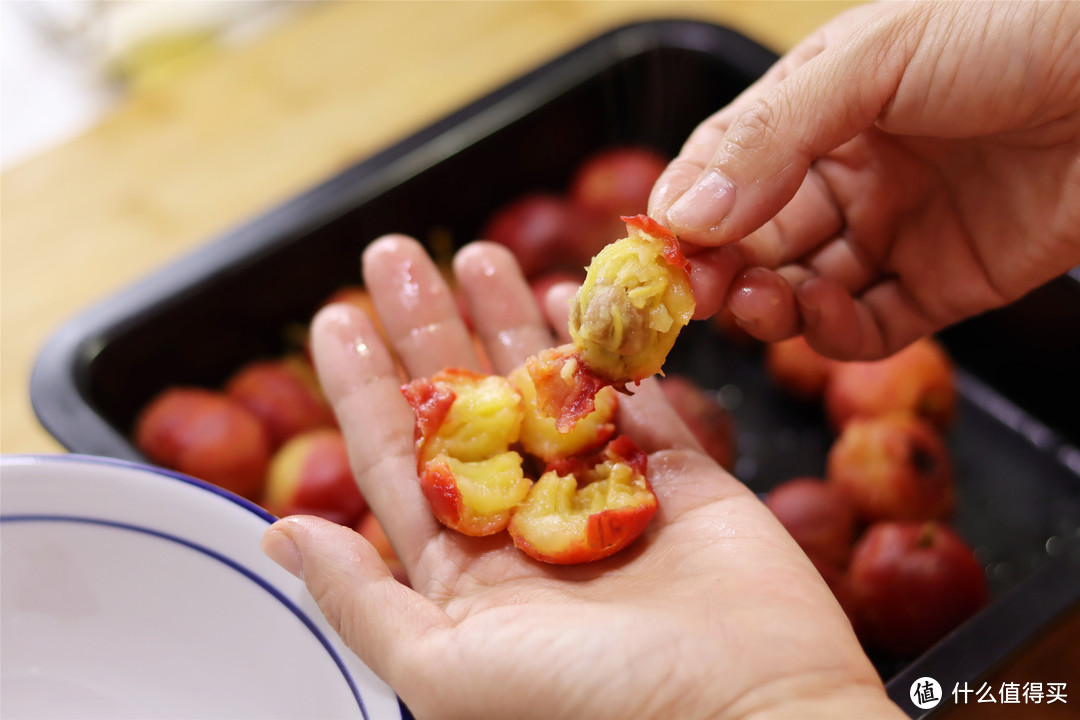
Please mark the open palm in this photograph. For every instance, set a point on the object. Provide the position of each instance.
(713, 612)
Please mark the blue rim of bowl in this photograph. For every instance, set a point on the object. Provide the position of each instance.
(251, 507)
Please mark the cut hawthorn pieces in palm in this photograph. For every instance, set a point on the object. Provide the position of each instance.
(463, 414)
(585, 509)
(635, 299)
(540, 435)
(565, 390)
(474, 498)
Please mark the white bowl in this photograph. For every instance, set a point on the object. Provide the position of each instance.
(128, 591)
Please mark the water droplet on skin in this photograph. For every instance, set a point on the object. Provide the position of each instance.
(510, 341)
(410, 288)
(429, 329)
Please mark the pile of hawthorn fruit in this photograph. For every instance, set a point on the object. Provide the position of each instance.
(875, 525)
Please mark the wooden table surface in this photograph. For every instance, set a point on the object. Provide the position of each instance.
(245, 128)
(177, 164)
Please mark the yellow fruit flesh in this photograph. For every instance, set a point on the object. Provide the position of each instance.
(539, 434)
(556, 512)
(484, 420)
(630, 309)
(490, 486)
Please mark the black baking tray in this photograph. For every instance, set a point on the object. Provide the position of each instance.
(650, 83)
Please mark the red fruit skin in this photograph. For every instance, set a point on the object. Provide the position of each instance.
(617, 181)
(894, 467)
(208, 435)
(311, 475)
(704, 415)
(610, 531)
(672, 252)
(818, 516)
(607, 532)
(797, 369)
(566, 401)
(279, 394)
(918, 378)
(440, 489)
(606, 186)
(620, 450)
(430, 402)
(538, 228)
(913, 583)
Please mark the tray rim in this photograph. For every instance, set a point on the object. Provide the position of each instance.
(58, 393)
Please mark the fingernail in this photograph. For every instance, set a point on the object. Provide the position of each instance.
(280, 548)
(705, 205)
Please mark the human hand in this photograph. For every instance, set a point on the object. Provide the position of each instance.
(907, 166)
(714, 612)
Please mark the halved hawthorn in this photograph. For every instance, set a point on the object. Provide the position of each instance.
(585, 509)
(635, 299)
(540, 435)
(565, 389)
(463, 414)
(474, 498)
(623, 321)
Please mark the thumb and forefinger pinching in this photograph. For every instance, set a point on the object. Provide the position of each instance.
(745, 177)
(762, 148)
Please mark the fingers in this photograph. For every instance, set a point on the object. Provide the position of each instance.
(837, 321)
(767, 146)
(700, 147)
(557, 308)
(416, 307)
(763, 303)
(882, 320)
(652, 422)
(711, 275)
(506, 316)
(502, 305)
(360, 380)
(377, 617)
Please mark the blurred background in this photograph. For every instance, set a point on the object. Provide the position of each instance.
(135, 132)
(67, 63)
(132, 133)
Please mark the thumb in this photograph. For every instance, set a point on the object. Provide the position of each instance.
(768, 146)
(377, 617)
